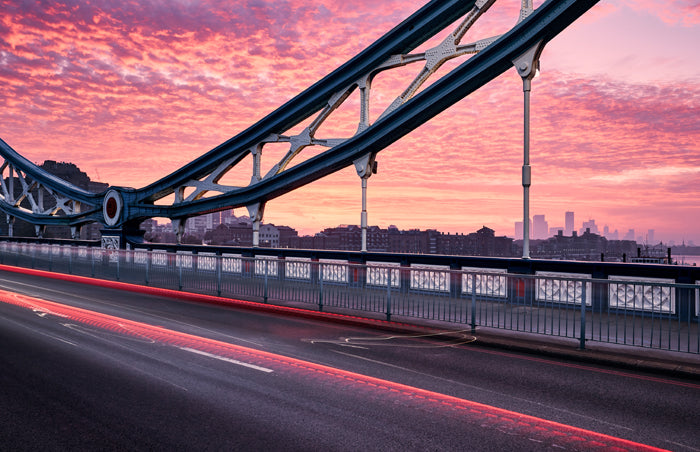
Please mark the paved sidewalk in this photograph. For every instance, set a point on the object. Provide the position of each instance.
(685, 365)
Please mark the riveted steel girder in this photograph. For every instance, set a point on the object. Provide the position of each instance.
(72, 206)
(120, 206)
(541, 26)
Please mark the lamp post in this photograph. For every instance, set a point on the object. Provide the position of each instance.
(527, 66)
(365, 167)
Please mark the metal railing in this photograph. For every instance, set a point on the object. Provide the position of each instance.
(637, 311)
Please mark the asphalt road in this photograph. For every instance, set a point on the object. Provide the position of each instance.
(129, 371)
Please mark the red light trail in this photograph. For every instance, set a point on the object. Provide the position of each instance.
(536, 429)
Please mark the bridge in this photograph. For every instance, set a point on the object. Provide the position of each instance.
(33, 195)
(64, 294)
(655, 293)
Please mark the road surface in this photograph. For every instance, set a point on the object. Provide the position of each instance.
(85, 368)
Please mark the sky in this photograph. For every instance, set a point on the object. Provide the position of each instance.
(132, 90)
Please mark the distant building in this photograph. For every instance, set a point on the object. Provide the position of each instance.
(589, 226)
(213, 220)
(586, 247)
(414, 241)
(226, 216)
(276, 236)
(519, 229)
(540, 227)
(569, 226)
(240, 234)
(555, 230)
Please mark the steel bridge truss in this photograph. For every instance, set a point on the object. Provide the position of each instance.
(197, 187)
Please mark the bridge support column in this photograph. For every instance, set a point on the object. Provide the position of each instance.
(10, 226)
(365, 166)
(256, 212)
(179, 228)
(119, 238)
(527, 65)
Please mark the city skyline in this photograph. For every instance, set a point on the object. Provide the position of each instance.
(130, 93)
(205, 222)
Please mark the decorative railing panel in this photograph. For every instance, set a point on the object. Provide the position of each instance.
(297, 268)
(266, 266)
(206, 261)
(333, 270)
(641, 294)
(433, 278)
(488, 282)
(557, 287)
(232, 263)
(380, 273)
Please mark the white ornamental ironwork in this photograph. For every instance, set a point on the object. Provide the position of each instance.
(381, 273)
(642, 294)
(488, 282)
(297, 268)
(435, 278)
(559, 287)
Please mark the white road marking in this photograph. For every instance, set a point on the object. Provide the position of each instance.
(34, 330)
(682, 445)
(41, 312)
(228, 360)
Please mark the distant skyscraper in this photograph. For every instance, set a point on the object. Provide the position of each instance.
(555, 230)
(590, 225)
(226, 216)
(540, 227)
(629, 235)
(213, 220)
(568, 223)
(519, 230)
(650, 237)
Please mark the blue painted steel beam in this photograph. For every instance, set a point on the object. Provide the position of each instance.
(545, 23)
(541, 26)
(405, 37)
(86, 198)
(433, 17)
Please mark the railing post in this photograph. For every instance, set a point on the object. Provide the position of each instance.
(178, 263)
(582, 339)
(149, 258)
(219, 265)
(320, 286)
(388, 294)
(118, 259)
(405, 277)
(455, 281)
(267, 269)
(473, 322)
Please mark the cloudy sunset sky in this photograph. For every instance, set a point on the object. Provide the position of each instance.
(132, 90)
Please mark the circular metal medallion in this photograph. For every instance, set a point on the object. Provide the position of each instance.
(112, 207)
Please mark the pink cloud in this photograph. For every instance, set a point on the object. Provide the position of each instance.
(683, 12)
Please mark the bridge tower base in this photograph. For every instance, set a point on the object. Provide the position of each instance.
(120, 238)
